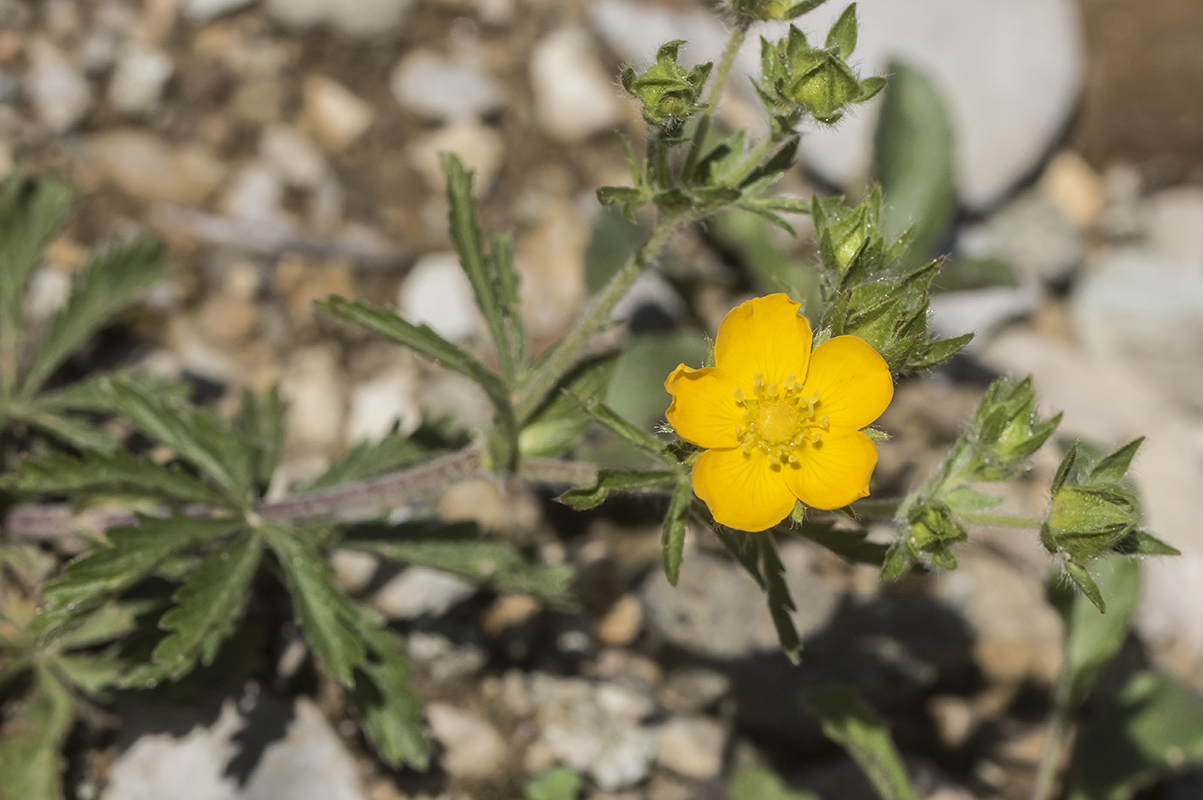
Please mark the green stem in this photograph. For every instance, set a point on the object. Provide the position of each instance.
(1000, 520)
(563, 354)
(1058, 725)
(716, 90)
(767, 146)
(877, 508)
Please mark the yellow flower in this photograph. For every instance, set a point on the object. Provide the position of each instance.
(779, 423)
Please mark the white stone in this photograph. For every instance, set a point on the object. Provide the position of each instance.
(575, 97)
(148, 168)
(363, 19)
(691, 746)
(1010, 72)
(337, 116)
(354, 570)
(256, 195)
(981, 311)
(138, 80)
(292, 155)
(205, 10)
(1175, 227)
(481, 148)
(313, 387)
(441, 88)
(437, 293)
(382, 402)
(60, 93)
(310, 763)
(473, 748)
(419, 591)
(49, 289)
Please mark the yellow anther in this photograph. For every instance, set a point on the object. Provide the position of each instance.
(773, 389)
(823, 423)
(740, 397)
(758, 384)
(790, 382)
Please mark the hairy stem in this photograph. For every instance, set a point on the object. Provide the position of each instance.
(999, 520)
(716, 91)
(1058, 726)
(563, 354)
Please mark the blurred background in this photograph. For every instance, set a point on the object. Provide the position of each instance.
(288, 149)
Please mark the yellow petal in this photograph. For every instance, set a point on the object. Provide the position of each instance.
(764, 336)
(745, 492)
(834, 472)
(852, 380)
(703, 409)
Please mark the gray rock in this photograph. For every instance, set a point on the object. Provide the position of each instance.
(419, 591)
(575, 97)
(138, 80)
(480, 147)
(257, 195)
(60, 93)
(1031, 235)
(437, 293)
(148, 168)
(982, 311)
(313, 387)
(205, 10)
(444, 659)
(595, 728)
(693, 689)
(293, 156)
(310, 763)
(362, 19)
(691, 746)
(1175, 227)
(443, 89)
(1010, 72)
(381, 402)
(718, 610)
(473, 749)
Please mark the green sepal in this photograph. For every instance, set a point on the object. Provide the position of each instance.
(1085, 582)
(616, 480)
(842, 35)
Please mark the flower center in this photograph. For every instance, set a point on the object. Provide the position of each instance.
(779, 419)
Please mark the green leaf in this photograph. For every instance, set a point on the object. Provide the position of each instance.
(1091, 638)
(31, 212)
(843, 33)
(557, 783)
(110, 621)
(196, 435)
(390, 712)
(133, 555)
(559, 423)
(780, 603)
(850, 545)
(486, 284)
(115, 472)
(261, 420)
(1152, 728)
(675, 523)
(422, 340)
(1113, 468)
(940, 351)
(75, 432)
(620, 426)
(501, 266)
(112, 280)
(326, 615)
(966, 498)
(458, 549)
(851, 723)
(91, 673)
(94, 392)
(1085, 582)
(913, 156)
(208, 606)
(756, 783)
(616, 480)
(368, 459)
(31, 766)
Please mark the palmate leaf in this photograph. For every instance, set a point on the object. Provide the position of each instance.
(31, 765)
(93, 393)
(457, 548)
(391, 452)
(208, 606)
(113, 280)
(848, 721)
(389, 709)
(114, 472)
(72, 431)
(133, 554)
(326, 615)
(31, 211)
(261, 421)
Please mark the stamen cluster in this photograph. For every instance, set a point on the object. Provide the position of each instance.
(779, 419)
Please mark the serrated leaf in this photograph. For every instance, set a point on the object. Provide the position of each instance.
(75, 432)
(109, 622)
(133, 554)
(486, 285)
(93, 393)
(91, 673)
(1091, 638)
(261, 420)
(913, 158)
(208, 606)
(112, 280)
(851, 723)
(31, 212)
(557, 783)
(391, 452)
(615, 480)
(422, 340)
(850, 545)
(843, 33)
(390, 712)
(196, 435)
(115, 472)
(757, 783)
(673, 537)
(619, 425)
(1085, 582)
(327, 617)
(781, 605)
(31, 766)
(501, 266)
(1152, 728)
(559, 423)
(458, 549)
(967, 499)
(1113, 468)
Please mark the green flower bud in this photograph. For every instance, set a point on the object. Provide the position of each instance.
(1007, 430)
(769, 10)
(932, 529)
(669, 93)
(1085, 522)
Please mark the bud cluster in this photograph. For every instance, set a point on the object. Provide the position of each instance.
(669, 93)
